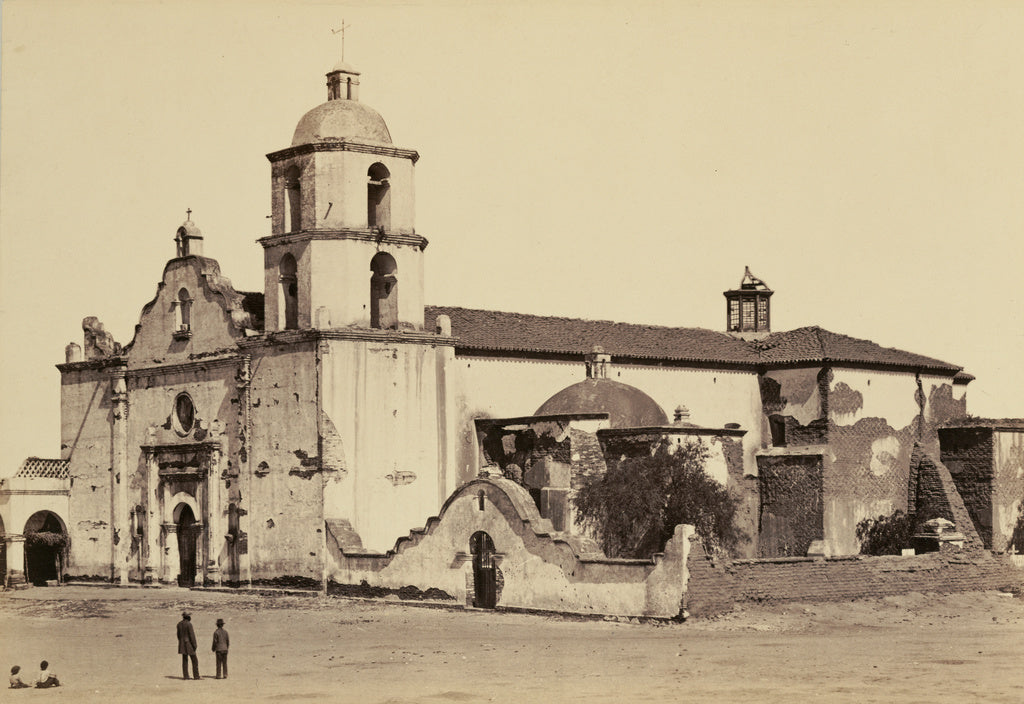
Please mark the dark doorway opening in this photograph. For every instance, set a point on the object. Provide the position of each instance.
(188, 532)
(45, 544)
(485, 581)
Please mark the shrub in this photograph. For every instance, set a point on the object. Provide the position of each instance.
(885, 535)
(634, 507)
(43, 538)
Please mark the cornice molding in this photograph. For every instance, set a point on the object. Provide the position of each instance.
(341, 145)
(359, 235)
(97, 364)
(191, 365)
(290, 337)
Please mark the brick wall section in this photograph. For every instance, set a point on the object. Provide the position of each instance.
(968, 454)
(715, 586)
(791, 504)
(937, 497)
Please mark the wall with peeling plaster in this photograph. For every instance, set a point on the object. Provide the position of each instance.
(538, 569)
(389, 428)
(285, 502)
(1008, 491)
(86, 442)
(874, 420)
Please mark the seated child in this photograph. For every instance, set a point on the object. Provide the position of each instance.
(16, 682)
(47, 678)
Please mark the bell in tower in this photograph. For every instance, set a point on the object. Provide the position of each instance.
(748, 307)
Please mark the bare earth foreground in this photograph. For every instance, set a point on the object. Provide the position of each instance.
(118, 645)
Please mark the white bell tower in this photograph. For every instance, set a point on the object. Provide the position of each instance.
(343, 250)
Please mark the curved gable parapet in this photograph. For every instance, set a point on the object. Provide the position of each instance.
(515, 503)
(165, 319)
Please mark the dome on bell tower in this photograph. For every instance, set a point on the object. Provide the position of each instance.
(342, 117)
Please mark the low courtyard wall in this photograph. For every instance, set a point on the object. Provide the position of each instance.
(716, 585)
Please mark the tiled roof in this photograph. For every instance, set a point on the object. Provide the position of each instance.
(813, 344)
(517, 332)
(36, 467)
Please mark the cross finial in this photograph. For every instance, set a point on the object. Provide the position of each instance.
(188, 214)
(341, 31)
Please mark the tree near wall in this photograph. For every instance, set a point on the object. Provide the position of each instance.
(634, 507)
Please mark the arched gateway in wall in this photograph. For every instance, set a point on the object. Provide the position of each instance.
(46, 545)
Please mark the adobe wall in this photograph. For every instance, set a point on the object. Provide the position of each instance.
(874, 420)
(284, 504)
(1008, 491)
(385, 432)
(792, 503)
(716, 586)
(85, 420)
(538, 569)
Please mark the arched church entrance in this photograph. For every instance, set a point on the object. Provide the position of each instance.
(485, 581)
(46, 543)
(188, 535)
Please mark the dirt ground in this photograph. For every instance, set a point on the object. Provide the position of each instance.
(118, 645)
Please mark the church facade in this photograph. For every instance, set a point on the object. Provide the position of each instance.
(323, 423)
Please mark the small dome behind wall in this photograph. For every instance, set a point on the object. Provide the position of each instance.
(626, 406)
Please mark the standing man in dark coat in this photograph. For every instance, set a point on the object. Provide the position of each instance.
(187, 645)
(220, 649)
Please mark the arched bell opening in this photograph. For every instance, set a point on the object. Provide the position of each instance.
(384, 292)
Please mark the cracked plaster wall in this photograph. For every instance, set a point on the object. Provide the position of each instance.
(538, 571)
(382, 401)
(1008, 492)
(285, 505)
(86, 441)
(874, 419)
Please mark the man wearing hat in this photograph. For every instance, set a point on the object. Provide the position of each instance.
(187, 645)
(220, 649)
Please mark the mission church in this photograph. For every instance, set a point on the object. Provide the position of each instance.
(335, 427)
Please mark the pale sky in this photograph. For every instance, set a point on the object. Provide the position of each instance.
(606, 160)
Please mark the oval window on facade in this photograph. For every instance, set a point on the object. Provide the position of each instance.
(184, 414)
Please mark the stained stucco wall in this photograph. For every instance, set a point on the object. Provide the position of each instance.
(874, 419)
(86, 442)
(385, 429)
(285, 502)
(1008, 491)
(537, 572)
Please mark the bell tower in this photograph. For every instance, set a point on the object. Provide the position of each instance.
(343, 250)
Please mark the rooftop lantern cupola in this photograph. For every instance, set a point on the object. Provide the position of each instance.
(343, 83)
(748, 310)
(188, 240)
